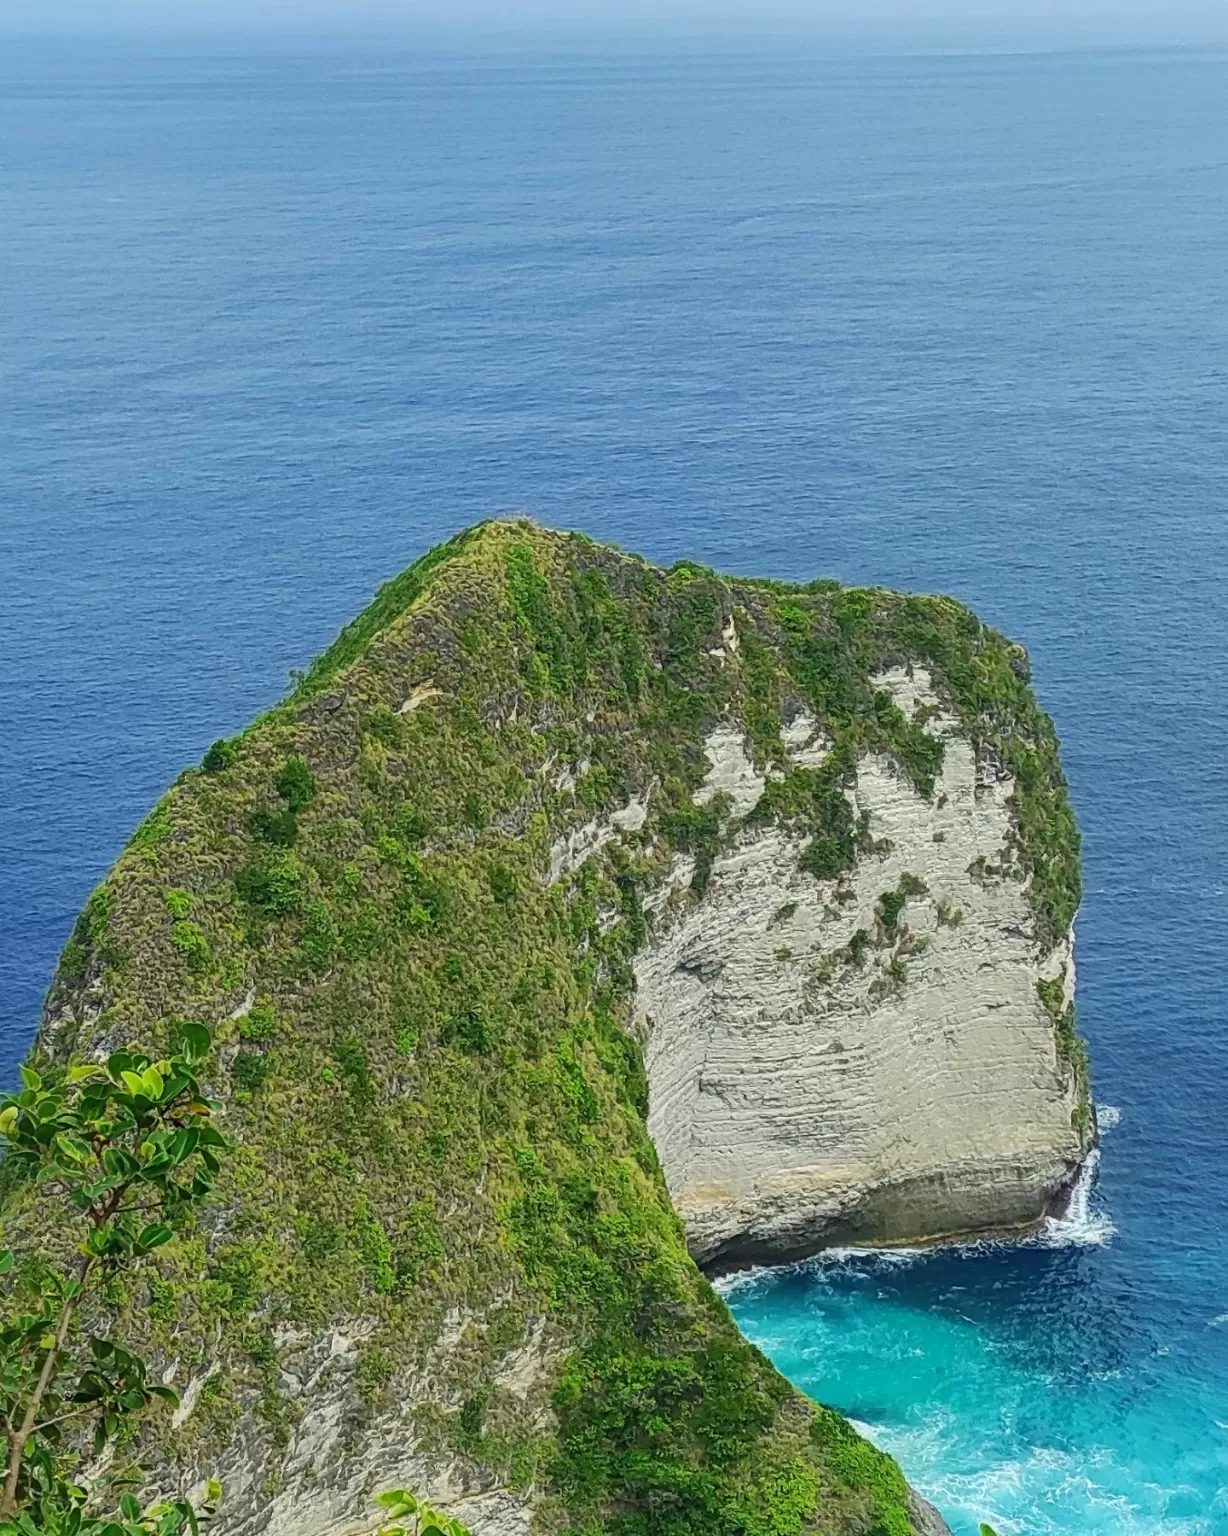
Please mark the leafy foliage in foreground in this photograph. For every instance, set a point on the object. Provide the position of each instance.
(119, 1153)
(438, 1109)
(409, 1516)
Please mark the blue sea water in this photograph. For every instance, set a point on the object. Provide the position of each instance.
(273, 321)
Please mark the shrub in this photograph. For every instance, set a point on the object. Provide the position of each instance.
(350, 1055)
(191, 943)
(220, 756)
(295, 783)
(502, 883)
(890, 905)
(412, 825)
(152, 832)
(280, 828)
(697, 831)
(375, 1247)
(373, 1369)
(251, 1070)
(272, 888)
(826, 857)
(470, 1029)
(319, 940)
(259, 1023)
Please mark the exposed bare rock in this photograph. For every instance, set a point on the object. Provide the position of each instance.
(810, 1087)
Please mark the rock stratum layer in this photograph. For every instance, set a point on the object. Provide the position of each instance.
(553, 863)
(872, 1061)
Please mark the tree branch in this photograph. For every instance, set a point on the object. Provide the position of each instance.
(17, 1444)
(60, 1417)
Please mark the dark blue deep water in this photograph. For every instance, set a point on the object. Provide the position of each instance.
(273, 323)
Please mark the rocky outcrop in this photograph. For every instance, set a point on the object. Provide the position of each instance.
(926, 1519)
(863, 1060)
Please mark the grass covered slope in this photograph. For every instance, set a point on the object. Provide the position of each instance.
(439, 1110)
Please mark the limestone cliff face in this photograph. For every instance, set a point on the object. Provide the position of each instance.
(866, 1059)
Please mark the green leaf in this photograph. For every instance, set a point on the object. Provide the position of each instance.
(196, 1039)
(73, 1148)
(183, 1144)
(133, 1082)
(130, 1507)
(6, 1261)
(176, 1082)
(118, 1162)
(154, 1236)
(31, 1079)
(83, 1073)
(398, 1502)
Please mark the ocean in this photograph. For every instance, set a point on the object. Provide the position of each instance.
(274, 319)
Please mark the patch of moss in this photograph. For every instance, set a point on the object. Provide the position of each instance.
(1071, 1046)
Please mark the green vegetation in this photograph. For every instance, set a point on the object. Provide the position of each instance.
(409, 1516)
(121, 1154)
(890, 905)
(1072, 1048)
(437, 1105)
(219, 756)
(857, 1465)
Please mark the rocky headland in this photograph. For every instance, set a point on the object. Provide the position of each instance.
(574, 929)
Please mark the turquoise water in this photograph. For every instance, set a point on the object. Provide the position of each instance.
(273, 322)
(1006, 1383)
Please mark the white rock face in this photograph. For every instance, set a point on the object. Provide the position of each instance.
(732, 773)
(799, 1098)
(567, 854)
(805, 744)
(329, 1475)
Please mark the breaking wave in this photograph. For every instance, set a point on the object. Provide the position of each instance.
(1081, 1225)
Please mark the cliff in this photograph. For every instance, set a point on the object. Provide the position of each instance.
(562, 886)
(871, 1060)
